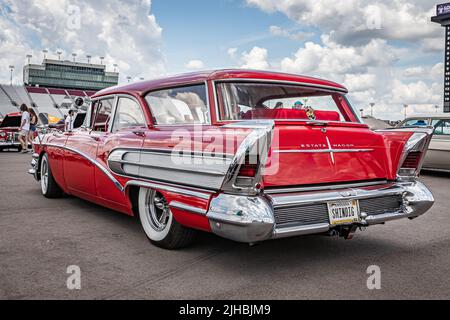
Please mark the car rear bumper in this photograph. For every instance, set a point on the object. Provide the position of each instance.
(9, 144)
(254, 219)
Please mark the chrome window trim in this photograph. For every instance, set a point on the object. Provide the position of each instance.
(126, 96)
(325, 151)
(92, 120)
(208, 106)
(249, 80)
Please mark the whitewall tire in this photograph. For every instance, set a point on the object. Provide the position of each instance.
(158, 222)
(49, 187)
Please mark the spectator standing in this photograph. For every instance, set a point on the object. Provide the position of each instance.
(68, 123)
(24, 128)
(33, 124)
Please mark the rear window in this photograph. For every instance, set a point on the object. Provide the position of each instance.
(252, 101)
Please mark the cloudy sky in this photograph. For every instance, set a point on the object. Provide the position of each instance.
(384, 51)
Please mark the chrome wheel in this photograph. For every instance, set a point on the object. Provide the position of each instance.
(44, 175)
(157, 210)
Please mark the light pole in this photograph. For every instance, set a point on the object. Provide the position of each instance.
(437, 108)
(89, 58)
(371, 108)
(11, 68)
(59, 52)
(74, 55)
(101, 60)
(115, 66)
(405, 106)
(45, 51)
(129, 78)
(141, 78)
(29, 56)
(362, 112)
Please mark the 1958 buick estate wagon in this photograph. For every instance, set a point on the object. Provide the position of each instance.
(247, 155)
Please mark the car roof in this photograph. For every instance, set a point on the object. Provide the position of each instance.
(142, 87)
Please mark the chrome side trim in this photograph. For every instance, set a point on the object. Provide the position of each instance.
(325, 151)
(169, 188)
(320, 188)
(151, 184)
(93, 161)
(185, 207)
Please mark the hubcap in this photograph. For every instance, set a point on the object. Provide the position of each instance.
(44, 175)
(157, 210)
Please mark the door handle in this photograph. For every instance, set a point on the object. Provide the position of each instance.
(139, 133)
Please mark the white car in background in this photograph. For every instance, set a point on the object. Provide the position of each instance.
(438, 155)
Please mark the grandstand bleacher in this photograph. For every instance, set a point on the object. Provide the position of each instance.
(49, 101)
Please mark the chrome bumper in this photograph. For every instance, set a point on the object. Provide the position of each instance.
(252, 219)
(34, 171)
(12, 144)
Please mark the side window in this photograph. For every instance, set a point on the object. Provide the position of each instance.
(102, 115)
(183, 105)
(442, 127)
(128, 114)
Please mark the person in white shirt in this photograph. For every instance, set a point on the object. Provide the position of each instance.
(68, 123)
(24, 128)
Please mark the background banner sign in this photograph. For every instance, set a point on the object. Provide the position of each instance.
(443, 9)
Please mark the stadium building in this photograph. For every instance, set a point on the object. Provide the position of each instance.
(51, 88)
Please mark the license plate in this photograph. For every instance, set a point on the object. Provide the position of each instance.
(343, 212)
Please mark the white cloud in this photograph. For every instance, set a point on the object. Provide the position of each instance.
(255, 59)
(359, 21)
(414, 72)
(293, 35)
(332, 58)
(195, 64)
(124, 32)
(360, 82)
(415, 93)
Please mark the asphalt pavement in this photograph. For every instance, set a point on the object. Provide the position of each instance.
(40, 238)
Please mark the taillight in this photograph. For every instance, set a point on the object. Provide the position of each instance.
(412, 160)
(413, 154)
(249, 168)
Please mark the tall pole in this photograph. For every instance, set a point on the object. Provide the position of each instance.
(101, 60)
(115, 67)
(371, 108)
(129, 78)
(405, 106)
(11, 68)
(362, 112)
(29, 56)
(59, 52)
(45, 51)
(74, 55)
(89, 58)
(437, 108)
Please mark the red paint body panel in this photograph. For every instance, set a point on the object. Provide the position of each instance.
(78, 172)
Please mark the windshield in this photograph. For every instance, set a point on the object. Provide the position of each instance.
(250, 101)
(10, 122)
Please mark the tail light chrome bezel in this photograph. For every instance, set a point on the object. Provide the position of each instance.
(417, 143)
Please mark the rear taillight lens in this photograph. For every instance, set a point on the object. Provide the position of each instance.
(412, 161)
(249, 168)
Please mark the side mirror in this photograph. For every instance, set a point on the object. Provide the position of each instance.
(79, 102)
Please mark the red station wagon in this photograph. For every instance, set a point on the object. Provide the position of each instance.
(247, 155)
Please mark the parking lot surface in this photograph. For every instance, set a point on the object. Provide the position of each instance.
(40, 238)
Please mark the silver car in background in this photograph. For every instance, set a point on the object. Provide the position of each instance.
(438, 155)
